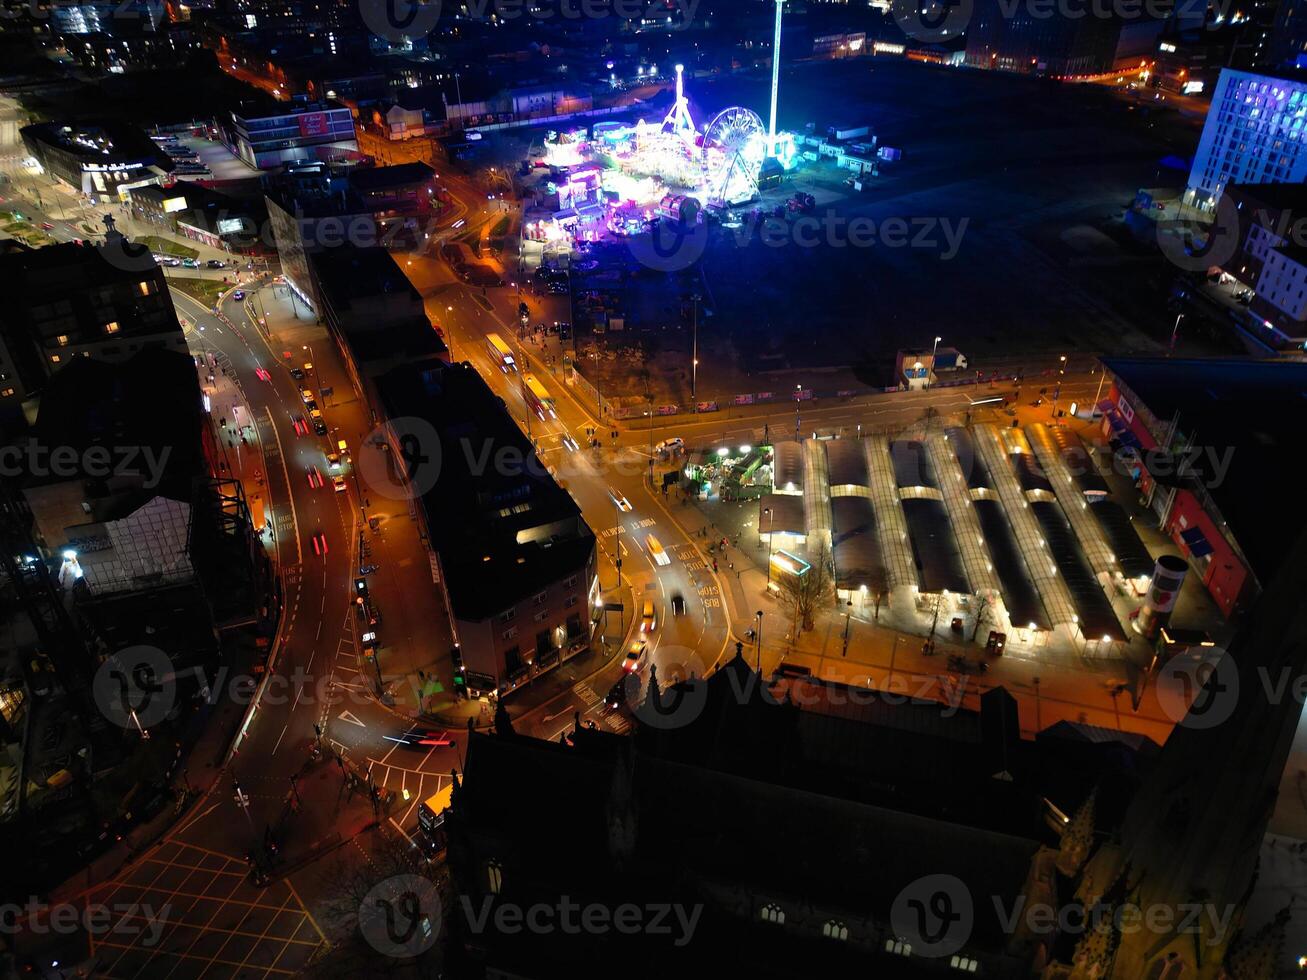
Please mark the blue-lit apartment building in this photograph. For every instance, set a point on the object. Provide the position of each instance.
(1253, 135)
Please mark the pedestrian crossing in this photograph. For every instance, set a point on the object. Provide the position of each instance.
(586, 693)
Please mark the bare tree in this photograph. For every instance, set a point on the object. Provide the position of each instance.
(353, 879)
(878, 586)
(804, 594)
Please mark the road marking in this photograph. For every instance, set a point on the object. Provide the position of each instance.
(299, 548)
(282, 735)
(349, 717)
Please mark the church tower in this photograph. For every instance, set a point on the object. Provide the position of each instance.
(1191, 836)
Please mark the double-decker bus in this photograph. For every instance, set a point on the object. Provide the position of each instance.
(500, 353)
(431, 818)
(538, 398)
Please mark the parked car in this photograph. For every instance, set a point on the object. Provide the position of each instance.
(215, 264)
(190, 263)
(239, 295)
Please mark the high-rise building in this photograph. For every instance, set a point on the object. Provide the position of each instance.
(1253, 134)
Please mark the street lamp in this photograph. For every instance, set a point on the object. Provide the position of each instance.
(1057, 388)
(694, 357)
(933, 349)
(798, 390)
(758, 661)
(848, 617)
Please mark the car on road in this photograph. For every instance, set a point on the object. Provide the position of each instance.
(648, 617)
(616, 696)
(190, 264)
(333, 461)
(319, 426)
(636, 656)
(619, 499)
(301, 427)
(170, 262)
(262, 374)
(215, 264)
(308, 367)
(306, 395)
(657, 552)
(315, 477)
(569, 442)
(421, 738)
(678, 604)
(239, 296)
(46, 226)
(670, 447)
(297, 374)
(319, 544)
(338, 482)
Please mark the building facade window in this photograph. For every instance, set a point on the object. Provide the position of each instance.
(834, 930)
(773, 913)
(111, 326)
(898, 947)
(494, 877)
(964, 963)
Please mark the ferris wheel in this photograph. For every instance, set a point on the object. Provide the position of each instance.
(734, 145)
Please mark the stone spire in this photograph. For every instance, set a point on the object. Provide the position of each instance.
(1194, 828)
(1077, 838)
(653, 697)
(503, 723)
(623, 823)
(1257, 957)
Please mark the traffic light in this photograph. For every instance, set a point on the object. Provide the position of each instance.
(460, 681)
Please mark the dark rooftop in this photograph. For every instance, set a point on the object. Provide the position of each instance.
(501, 525)
(1263, 433)
(399, 175)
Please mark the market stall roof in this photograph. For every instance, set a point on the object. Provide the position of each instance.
(781, 513)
